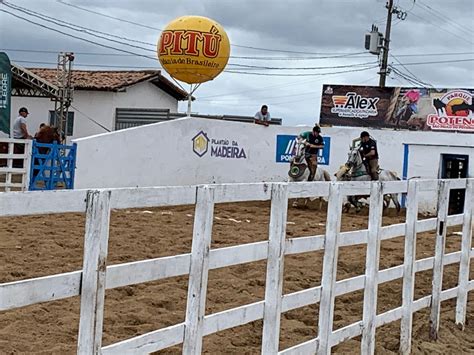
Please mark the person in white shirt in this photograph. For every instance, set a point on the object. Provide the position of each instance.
(20, 130)
(263, 116)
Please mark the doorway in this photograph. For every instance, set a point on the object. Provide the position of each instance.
(455, 166)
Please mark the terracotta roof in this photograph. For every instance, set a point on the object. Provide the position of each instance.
(113, 80)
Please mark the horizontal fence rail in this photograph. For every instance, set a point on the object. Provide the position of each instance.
(15, 158)
(91, 282)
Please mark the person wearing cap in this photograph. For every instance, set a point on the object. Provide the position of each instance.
(20, 130)
(314, 142)
(370, 155)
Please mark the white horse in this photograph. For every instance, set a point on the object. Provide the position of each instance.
(299, 170)
(355, 170)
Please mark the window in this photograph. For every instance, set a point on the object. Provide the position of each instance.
(69, 123)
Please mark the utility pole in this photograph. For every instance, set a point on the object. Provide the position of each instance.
(386, 43)
(62, 103)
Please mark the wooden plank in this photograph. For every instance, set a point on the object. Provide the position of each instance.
(395, 187)
(443, 198)
(42, 289)
(326, 305)
(353, 238)
(13, 156)
(147, 270)
(234, 317)
(372, 268)
(348, 332)
(153, 196)
(308, 189)
(275, 262)
(308, 347)
(300, 299)
(27, 164)
(199, 270)
(12, 170)
(236, 255)
(409, 267)
(304, 244)
(427, 185)
(149, 342)
(388, 317)
(93, 274)
(8, 179)
(12, 184)
(225, 193)
(464, 265)
(42, 202)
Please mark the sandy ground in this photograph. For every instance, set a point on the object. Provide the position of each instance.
(41, 245)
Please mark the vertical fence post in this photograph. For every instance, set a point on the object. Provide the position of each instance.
(8, 178)
(464, 264)
(199, 270)
(275, 262)
(409, 267)
(443, 197)
(27, 165)
(372, 268)
(331, 241)
(93, 272)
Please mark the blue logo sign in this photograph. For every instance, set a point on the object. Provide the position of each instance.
(285, 145)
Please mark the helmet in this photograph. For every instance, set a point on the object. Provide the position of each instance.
(364, 134)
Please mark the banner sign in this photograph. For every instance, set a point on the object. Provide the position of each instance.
(218, 148)
(5, 90)
(285, 145)
(420, 109)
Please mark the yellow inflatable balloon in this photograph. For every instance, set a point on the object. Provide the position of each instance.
(193, 49)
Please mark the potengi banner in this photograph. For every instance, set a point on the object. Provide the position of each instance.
(5, 88)
(420, 109)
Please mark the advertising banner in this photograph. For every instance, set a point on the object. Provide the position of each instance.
(285, 144)
(5, 89)
(420, 109)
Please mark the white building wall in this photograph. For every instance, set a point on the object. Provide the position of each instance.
(162, 154)
(98, 105)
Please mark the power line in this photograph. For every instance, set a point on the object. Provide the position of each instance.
(77, 37)
(342, 56)
(302, 68)
(108, 16)
(443, 29)
(442, 16)
(299, 74)
(225, 70)
(20, 8)
(158, 29)
(90, 119)
(408, 70)
(72, 26)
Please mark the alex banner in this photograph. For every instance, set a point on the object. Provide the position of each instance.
(5, 88)
(420, 109)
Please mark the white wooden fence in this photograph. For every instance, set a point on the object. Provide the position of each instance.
(22, 175)
(95, 277)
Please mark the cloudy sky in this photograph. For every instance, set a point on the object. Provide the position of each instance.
(283, 34)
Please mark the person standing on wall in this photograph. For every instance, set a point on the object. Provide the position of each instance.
(370, 155)
(20, 131)
(314, 142)
(263, 116)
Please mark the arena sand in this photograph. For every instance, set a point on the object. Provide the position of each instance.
(36, 246)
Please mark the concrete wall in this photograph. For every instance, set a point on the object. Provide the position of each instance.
(98, 105)
(164, 154)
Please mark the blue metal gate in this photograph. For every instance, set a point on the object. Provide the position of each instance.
(52, 166)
